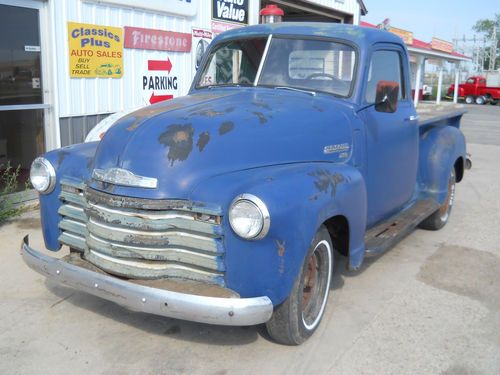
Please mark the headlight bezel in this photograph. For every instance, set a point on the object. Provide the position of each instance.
(51, 174)
(261, 207)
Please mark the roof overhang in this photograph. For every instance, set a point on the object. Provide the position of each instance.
(437, 54)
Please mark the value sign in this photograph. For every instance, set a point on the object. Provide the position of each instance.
(230, 11)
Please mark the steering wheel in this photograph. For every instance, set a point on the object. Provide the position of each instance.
(336, 81)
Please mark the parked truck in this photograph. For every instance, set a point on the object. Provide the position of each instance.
(475, 90)
(226, 206)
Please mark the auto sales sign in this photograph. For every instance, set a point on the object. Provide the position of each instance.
(230, 11)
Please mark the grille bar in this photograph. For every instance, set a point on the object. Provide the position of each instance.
(141, 238)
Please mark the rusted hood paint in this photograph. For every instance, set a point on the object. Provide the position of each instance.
(184, 141)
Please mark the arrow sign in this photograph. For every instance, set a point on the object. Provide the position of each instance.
(159, 98)
(159, 65)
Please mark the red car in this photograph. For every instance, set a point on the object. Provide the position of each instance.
(476, 90)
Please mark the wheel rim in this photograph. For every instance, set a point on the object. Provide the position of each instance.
(316, 282)
(448, 203)
(468, 100)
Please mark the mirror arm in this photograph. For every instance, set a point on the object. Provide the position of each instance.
(384, 99)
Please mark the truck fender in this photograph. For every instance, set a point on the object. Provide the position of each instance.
(74, 163)
(440, 149)
(300, 197)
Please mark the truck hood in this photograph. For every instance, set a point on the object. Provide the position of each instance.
(186, 140)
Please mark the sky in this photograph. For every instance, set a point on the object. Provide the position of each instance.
(444, 19)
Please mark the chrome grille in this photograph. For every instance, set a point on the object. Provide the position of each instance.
(144, 239)
(73, 223)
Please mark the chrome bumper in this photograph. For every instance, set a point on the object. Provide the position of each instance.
(211, 310)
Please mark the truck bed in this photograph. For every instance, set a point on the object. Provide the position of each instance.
(432, 113)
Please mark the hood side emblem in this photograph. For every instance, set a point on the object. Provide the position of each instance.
(119, 176)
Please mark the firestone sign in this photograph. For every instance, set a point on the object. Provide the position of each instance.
(230, 11)
(158, 40)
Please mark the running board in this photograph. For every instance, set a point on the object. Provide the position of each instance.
(385, 235)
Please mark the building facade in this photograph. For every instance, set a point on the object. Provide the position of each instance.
(67, 64)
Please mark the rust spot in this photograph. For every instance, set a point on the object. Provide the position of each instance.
(61, 156)
(319, 109)
(326, 181)
(261, 104)
(206, 113)
(179, 140)
(226, 127)
(203, 140)
(261, 117)
(270, 179)
(281, 247)
(90, 160)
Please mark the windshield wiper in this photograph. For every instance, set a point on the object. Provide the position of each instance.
(312, 93)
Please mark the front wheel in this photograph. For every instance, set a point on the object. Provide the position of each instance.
(480, 100)
(439, 218)
(296, 319)
(469, 99)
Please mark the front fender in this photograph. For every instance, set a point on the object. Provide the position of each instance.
(72, 162)
(300, 197)
(440, 148)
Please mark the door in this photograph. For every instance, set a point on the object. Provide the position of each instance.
(391, 138)
(21, 97)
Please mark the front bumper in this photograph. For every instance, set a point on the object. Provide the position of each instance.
(211, 310)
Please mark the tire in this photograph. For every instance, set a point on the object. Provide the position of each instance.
(439, 218)
(480, 100)
(296, 319)
(469, 99)
(493, 102)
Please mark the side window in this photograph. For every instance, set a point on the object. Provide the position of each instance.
(482, 81)
(384, 66)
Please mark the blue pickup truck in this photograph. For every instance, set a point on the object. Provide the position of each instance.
(226, 206)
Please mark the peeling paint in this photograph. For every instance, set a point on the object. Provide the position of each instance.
(61, 156)
(179, 140)
(226, 127)
(326, 181)
(281, 247)
(262, 118)
(203, 140)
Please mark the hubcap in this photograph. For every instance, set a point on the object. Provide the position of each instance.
(316, 281)
(448, 203)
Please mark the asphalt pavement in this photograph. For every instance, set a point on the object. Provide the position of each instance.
(431, 305)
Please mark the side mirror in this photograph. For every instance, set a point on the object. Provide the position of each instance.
(386, 99)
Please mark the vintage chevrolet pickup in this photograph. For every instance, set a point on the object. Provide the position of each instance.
(225, 206)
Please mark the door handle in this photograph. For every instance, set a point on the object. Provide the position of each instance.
(412, 118)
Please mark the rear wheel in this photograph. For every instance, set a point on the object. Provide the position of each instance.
(439, 218)
(296, 319)
(469, 99)
(480, 100)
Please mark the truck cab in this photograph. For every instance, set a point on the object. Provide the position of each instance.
(476, 90)
(225, 206)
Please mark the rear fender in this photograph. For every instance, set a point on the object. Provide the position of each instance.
(299, 197)
(440, 148)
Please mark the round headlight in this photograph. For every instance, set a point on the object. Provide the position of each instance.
(249, 217)
(42, 175)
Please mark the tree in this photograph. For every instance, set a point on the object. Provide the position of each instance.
(487, 27)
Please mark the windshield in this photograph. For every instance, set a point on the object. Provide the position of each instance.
(308, 64)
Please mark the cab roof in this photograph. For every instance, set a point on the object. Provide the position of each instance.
(355, 34)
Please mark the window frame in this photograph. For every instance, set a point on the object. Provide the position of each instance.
(405, 96)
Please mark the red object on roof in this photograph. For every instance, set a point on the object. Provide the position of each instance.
(272, 10)
(419, 44)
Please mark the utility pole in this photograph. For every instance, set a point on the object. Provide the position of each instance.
(493, 49)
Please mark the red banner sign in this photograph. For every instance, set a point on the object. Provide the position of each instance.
(442, 45)
(158, 40)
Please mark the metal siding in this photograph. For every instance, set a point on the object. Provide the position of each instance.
(75, 129)
(89, 96)
(348, 6)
